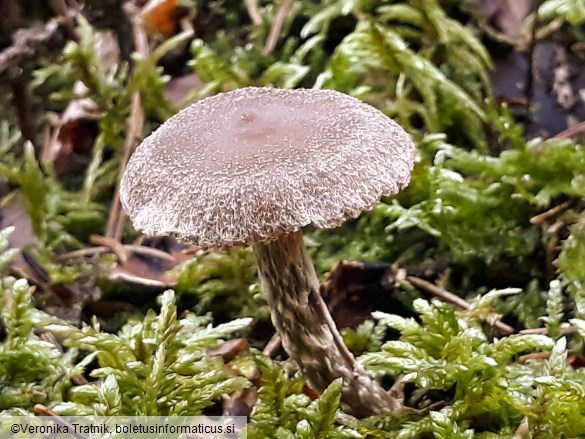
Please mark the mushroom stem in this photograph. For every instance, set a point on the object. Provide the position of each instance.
(308, 332)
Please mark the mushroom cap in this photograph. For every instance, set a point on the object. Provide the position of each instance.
(244, 166)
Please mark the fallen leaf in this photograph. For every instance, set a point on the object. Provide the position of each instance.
(556, 101)
(145, 271)
(229, 349)
(241, 402)
(354, 289)
(163, 16)
(576, 361)
(311, 393)
(507, 16)
(13, 213)
(70, 146)
(180, 88)
(149, 265)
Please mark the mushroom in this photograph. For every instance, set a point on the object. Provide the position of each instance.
(253, 167)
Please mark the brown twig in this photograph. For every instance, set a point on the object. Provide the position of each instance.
(578, 46)
(556, 210)
(115, 245)
(554, 228)
(59, 6)
(138, 249)
(63, 10)
(22, 105)
(533, 356)
(531, 57)
(523, 430)
(571, 133)
(550, 255)
(117, 218)
(187, 24)
(441, 293)
(41, 410)
(544, 331)
(31, 43)
(277, 26)
(449, 297)
(273, 345)
(113, 15)
(253, 12)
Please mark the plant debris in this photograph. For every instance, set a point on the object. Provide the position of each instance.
(464, 296)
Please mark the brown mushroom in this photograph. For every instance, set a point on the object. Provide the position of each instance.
(254, 166)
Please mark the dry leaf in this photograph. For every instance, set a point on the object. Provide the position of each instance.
(151, 269)
(13, 213)
(70, 147)
(178, 89)
(241, 402)
(162, 16)
(507, 16)
(71, 144)
(229, 349)
(354, 289)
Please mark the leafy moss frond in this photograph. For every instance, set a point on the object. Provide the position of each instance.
(159, 365)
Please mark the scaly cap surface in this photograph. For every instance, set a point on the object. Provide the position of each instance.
(246, 165)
